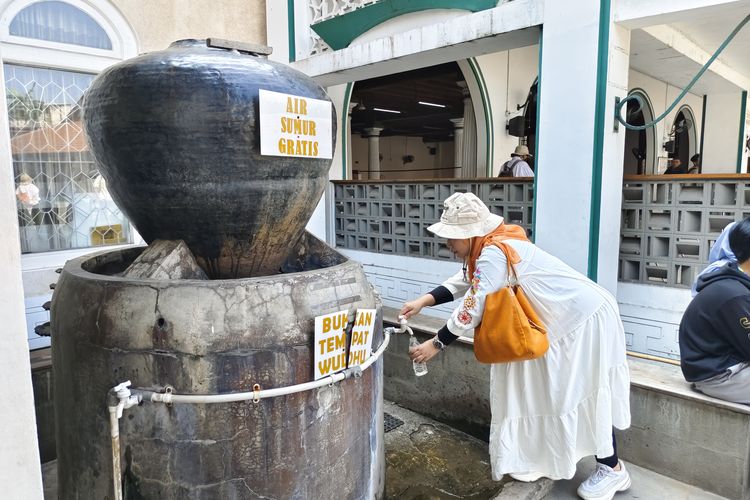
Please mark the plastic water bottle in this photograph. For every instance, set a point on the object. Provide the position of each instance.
(419, 368)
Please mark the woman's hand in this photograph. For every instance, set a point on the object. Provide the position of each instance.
(413, 307)
(424, 352)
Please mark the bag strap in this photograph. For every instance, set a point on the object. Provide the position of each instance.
(511, 266)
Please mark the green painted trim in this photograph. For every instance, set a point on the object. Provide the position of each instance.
(599, 121)
(345, 128)
(741, 145)
(703, 130)
(536, 143)
(291, 30)
(340, 31)
(488, 118)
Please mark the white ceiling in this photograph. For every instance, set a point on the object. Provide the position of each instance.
(707, 28)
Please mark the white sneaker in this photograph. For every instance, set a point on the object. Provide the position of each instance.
(526, 477)
(604, 483)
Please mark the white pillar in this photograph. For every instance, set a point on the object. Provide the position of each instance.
(722, 129)
(469, 157)
(610, 212)
(565, 223)
(373, 148)
(458, 146)
(20, 472)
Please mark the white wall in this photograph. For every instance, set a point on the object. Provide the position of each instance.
(651, 316)
(722, 133)
(661, 95)
(566, 130)
(20, 473)
(318, 223)
(394, 148)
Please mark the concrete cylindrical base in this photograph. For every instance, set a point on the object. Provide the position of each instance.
(207, 337)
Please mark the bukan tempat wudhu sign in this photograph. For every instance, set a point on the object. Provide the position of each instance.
(331, 341)
(294, 126)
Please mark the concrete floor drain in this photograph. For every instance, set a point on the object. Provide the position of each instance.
(390, 422)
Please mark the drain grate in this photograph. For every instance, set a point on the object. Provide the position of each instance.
(390, 422)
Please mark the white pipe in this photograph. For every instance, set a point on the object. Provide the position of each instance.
(159, 397)
(114, 431)
(126, 399)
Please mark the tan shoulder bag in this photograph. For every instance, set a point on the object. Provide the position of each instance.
(510, 329)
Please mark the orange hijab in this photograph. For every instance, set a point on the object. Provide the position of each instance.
(497, 237)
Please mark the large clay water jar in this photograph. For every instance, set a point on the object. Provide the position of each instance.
(175, 134)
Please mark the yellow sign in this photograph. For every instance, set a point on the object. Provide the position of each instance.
(362, 332)
(330, 343)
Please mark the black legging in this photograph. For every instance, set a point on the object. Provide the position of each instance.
(610, 461)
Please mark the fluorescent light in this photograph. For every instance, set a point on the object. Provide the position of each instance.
(431, 104)
(387, 110)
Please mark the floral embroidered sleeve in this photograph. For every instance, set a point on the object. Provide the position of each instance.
(489, 276)
(457, 284)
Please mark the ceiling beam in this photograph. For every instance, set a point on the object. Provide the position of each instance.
(641, 13)
(674, 39)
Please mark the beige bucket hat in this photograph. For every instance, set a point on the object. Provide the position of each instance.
(465, 216)
(522, 151)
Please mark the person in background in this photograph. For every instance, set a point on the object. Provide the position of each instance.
(719, 256)
(695, 167)
(675, 167)
(550, 412)
(714, 331)
(517, 166)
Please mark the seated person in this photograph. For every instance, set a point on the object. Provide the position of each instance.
(675, 167)
(695, 167)
(718, 257)
(714, 341)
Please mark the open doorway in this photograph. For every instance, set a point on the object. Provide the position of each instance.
(639, 157)
(417, 124)
(683, 136)
(523, 126)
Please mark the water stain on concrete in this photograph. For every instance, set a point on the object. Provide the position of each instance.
(426, 460)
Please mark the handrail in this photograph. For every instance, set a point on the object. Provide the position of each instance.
(450, 180)
(687, 177)
(528, 180)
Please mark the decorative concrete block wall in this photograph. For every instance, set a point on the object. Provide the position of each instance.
(392, 217)
(668, 226)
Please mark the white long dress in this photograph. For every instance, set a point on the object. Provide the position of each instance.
(549, 413)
